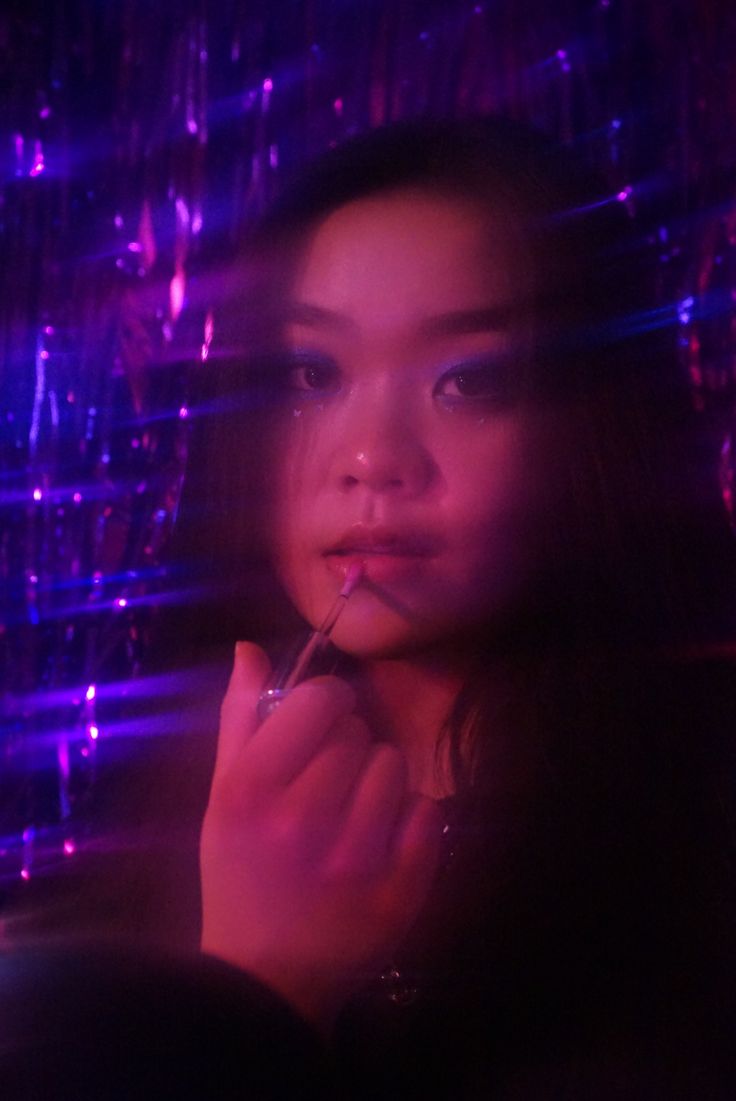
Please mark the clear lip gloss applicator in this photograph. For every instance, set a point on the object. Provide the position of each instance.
(316, 643)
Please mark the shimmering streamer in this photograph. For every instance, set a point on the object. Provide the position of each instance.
(136, 146)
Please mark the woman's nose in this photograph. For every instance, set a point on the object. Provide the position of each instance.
(386, 459)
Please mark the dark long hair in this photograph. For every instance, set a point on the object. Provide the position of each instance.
(643, 555)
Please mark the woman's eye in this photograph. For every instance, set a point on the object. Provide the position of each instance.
(473, 382)
(307, 375)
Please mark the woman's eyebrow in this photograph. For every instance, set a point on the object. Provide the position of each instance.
(304, 313)
(477, 320)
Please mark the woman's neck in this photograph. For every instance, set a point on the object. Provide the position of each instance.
(407, 702)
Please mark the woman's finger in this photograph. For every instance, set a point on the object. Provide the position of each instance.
(238, 721)
(417, 843)
(287, 741)
(366, 838)
(325, 786)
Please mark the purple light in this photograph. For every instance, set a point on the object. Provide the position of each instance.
(135, 246)
(93, 731)
(183, 413)
(684, 310)
(192, 126)
(121, 602)
(44, 354)
(624, 194)
(268, 85)
(37, 494)
(37, 169)
(91, 692)
(69, 847)
(77, 498)
(338, 105)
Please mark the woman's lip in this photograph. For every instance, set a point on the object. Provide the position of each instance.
(397, 549)
(361, 539)
(378, 564)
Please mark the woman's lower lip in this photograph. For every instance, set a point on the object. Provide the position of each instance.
(377, 566)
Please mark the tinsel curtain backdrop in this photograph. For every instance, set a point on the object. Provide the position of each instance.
(135, 140)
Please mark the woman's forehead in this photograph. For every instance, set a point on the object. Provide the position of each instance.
(411, 255)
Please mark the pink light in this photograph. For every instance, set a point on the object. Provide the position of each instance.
(91, 692)
(268, 85)
(624, 194)
(192, 126)
(338, 105)
(176, 294)
(44, 113)
(25, 874)
(44, 354)
(37, 494)
(183, 413)
(69, 847)
(121, 602)
(37, 168)
(77, 498)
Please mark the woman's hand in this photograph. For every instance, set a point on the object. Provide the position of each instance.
(315, 858)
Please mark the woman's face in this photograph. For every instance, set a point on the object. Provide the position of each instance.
(402, 444)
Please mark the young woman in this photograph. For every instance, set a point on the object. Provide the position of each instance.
(489, 855)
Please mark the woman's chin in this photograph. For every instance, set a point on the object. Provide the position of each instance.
(385, 637)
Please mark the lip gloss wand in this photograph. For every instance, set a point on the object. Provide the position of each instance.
(316, 642)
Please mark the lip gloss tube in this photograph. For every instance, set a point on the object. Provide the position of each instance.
(317, 641)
